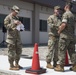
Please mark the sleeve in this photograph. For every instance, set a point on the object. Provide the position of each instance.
(8, 24)
(50, 22)
(65, 18)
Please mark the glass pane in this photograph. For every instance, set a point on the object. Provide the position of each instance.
(2, 17)
(43, 25)
(21, 19)
(26, 22)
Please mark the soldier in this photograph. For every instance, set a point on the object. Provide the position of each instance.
(53, 23)
(13, 38)
(66, 41)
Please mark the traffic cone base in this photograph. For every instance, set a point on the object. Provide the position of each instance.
(35, 69)
(40, 71)
(68, 64)
(67, 60)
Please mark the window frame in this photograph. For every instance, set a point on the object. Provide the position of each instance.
(3, 20)
(28, 22)
(42, 30)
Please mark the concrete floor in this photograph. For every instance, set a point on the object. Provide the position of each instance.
(26, 63)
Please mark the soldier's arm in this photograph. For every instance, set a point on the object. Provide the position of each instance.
(8, 24)
(50, 22)
(64, 23)
(61, 27)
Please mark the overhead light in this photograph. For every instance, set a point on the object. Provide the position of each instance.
(74, 0)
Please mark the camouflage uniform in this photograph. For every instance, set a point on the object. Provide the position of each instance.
(67, 40)
(13, 39)
(53, 24)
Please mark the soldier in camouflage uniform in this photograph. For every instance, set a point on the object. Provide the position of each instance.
(66, 41)
(53, 23)
(13, 38)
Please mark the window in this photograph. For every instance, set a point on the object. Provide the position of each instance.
(2, 17)
(43, 25)
(26, 22)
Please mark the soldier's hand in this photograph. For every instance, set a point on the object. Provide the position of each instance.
(59, 27)
(58, 32)
(17, 22)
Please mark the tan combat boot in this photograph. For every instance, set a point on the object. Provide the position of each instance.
(73, 68)
(54, 63)
(18, 66)
(12, 67)
(49, 66)
(59, 68)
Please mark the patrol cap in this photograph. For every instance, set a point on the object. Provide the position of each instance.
(16, 8)
(69, 4)
(57, 7)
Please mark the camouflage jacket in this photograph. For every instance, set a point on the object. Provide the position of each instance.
(53, 24)
(69, 19)
(12, 34)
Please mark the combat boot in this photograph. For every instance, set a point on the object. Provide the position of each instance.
(54, 63)
(12, 67)
(18, 66)
(49, 66)
(59, 68)
(73, 68)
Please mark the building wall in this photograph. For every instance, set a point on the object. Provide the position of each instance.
(21, 4)
(33, 11)
(44, 14)
(26, 11)
(26, 36)
(75, 29)
(43, 36)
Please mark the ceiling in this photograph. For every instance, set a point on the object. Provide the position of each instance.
(52, 3)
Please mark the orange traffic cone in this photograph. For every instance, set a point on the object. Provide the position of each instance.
(35, 63)
(67, 60)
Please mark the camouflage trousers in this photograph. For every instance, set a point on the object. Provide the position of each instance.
(52, 49)
(66, 44)
(14, 52)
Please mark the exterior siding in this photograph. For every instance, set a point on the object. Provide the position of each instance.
(35, 12)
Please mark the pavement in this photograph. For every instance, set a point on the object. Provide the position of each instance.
(27, 51)
(26, 63)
